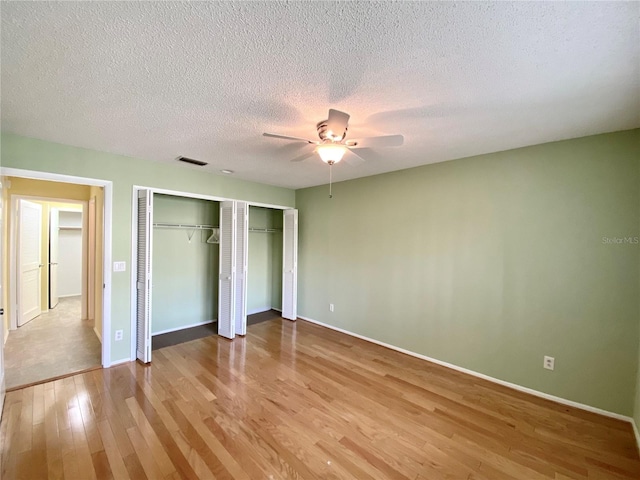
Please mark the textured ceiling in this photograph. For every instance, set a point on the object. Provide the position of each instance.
(160, 79)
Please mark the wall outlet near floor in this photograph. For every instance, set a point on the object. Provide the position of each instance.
(549, 362)
(119, 334)
(119, 266)
(331, 307)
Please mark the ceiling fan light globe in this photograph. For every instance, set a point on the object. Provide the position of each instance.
(331, 153)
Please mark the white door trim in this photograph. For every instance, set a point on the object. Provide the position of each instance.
(107, 185)
(213, 198)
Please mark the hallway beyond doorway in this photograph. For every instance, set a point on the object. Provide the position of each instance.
(55, 343)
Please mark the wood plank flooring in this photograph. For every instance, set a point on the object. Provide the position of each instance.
(298, 401)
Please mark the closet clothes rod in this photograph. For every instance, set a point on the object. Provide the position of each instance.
(264, 230)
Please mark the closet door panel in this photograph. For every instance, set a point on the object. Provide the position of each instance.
(242, 256)
(226, 283)
(143, 297)
(290, 264)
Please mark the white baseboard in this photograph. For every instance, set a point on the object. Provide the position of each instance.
(514, 386)
(70, 295)
(120, 362)
(97, 334)
(636, 433)
(183, 327)
(2, 395)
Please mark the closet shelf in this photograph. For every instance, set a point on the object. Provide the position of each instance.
(216, 230)
(184, 226)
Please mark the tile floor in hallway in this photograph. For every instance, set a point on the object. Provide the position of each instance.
(55, 343)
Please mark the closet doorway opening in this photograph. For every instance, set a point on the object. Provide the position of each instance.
(184, 302)
(264, 276)
(191, 267)
(55, 252)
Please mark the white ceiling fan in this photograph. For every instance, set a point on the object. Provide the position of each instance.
(332, 145)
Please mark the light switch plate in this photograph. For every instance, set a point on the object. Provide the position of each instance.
(119, 266)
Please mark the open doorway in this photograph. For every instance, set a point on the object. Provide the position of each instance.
(189, 247)
(264, 279)
(55, 308)
(185, 269)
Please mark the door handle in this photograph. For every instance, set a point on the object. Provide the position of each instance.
(40, 266)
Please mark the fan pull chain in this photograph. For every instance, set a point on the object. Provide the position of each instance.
(330, 180)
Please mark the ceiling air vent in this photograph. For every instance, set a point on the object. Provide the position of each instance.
(200, 163)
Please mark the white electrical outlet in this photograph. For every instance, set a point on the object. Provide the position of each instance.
(119, 266)
(119, 334)
(549, 362)
(331, 307)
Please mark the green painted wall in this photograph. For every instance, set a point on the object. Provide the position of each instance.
(490, 263)
(264, 282)
(636, 410)
(185, 271)
(124, 172)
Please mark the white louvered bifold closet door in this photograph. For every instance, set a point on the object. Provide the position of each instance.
(143, 284)
(242, 258)
(290, 265)
(226, 307)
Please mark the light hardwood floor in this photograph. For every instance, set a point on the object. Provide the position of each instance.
(295, 400)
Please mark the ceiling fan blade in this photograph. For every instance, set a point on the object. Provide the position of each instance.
(304, 156)
(337, 122)
(286, 137)
(375, 142)
(352, 158)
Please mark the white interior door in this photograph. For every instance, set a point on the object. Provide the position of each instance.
(3, 324)
(226, 282)
(242, 258)
(54, 232)
(290, 265)
(143, 284)
(29, 260)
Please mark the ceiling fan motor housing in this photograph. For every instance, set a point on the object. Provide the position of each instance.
(325, 134)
